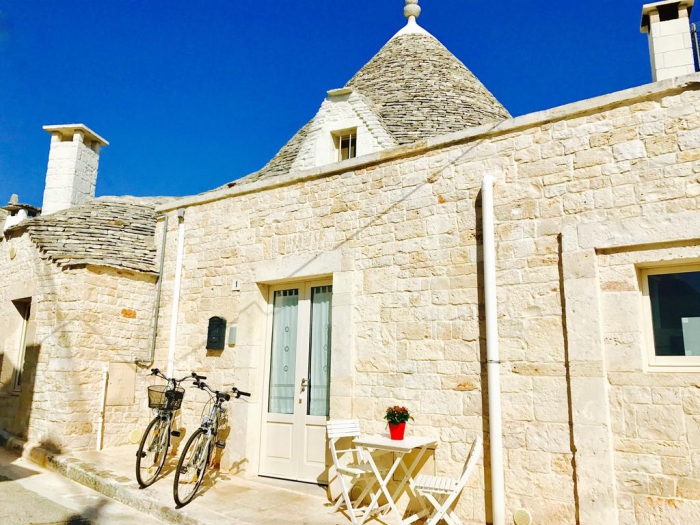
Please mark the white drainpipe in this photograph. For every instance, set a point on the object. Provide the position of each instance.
(492, 358)
(103, 407)
(176, 289)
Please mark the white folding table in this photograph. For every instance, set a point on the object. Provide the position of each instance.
(400, 448)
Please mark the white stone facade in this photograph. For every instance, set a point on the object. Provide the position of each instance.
(585, 196)
(339, 112)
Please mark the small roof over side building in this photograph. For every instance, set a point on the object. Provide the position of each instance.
(116, 232)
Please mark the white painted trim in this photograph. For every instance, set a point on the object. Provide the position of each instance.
(652, 362)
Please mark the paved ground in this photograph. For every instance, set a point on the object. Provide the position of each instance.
(30, 495)
(222, 500)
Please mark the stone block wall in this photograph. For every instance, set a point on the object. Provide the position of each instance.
(407, 234)
(82, 319)
(105, 316)
(20, 278)
(654, 412)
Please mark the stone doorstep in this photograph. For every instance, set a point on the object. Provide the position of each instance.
(111, 485)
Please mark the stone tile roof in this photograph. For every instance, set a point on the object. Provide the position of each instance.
(423, 91)
(282, 162)
(418, 90)
(117, 232)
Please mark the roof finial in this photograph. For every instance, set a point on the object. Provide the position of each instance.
(412, 10)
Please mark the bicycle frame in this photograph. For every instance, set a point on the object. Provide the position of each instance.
(197, 453)
(155, 442)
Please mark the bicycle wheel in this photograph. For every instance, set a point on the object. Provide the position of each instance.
(191, 468)
(152, 452)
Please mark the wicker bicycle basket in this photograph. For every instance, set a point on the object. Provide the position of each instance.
(159, 396)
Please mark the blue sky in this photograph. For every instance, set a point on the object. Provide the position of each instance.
(195, 94)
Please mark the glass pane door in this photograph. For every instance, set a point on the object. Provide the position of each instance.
(284, 351)
(320, 351)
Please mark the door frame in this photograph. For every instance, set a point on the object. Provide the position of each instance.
(303, 321)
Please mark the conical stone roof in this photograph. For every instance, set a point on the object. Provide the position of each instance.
(421, 90)
(418, 90)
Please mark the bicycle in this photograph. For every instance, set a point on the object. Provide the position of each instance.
(197, 452)
(164, 400)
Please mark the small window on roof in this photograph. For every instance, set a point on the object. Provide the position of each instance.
(346, 144)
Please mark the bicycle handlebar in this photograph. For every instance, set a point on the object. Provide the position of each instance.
(240, 393)
(158, 373)
(222, 395)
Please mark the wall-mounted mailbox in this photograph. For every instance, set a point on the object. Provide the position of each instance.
(216, 335)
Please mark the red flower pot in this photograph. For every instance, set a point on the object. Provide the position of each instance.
(396, 431)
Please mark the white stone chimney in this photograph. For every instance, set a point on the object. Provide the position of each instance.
(670, 44)
(72, 171)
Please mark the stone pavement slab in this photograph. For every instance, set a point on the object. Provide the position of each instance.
(222, 499)
(31, 495)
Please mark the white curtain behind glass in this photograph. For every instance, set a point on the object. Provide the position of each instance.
(320, 350)
(284, 351)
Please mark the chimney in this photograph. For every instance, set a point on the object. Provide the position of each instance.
(670, 43)
(16, 212)
(72, 171)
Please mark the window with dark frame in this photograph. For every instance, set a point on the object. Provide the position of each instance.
(675, 313)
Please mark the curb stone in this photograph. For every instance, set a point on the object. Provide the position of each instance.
(119, 488)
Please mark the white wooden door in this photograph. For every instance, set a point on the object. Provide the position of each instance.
(297, 382)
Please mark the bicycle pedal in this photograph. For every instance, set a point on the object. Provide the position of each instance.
(175, 433)
(143, 454)
(220, 444)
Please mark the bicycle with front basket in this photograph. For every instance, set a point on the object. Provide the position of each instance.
(164, 400)
(197, 453)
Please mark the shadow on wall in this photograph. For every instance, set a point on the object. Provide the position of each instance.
(16, 401)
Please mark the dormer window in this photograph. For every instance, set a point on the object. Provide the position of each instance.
(346, 144)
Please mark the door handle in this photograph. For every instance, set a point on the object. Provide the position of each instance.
(302, 389)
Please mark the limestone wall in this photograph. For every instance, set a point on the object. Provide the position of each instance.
(22, 274)
(105, 316)
(82, 320)
(402, 239)
(654, 413)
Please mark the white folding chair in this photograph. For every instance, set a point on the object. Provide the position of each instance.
(442, 492)
(349, 463)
